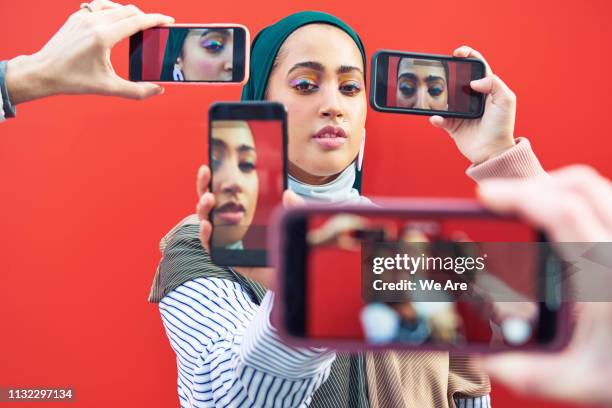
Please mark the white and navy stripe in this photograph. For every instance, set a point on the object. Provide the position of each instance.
(229, 355)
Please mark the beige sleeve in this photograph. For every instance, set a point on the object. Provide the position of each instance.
(517, 162)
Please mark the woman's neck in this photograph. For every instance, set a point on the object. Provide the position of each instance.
(307, 178)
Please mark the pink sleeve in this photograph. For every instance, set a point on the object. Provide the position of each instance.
(516, 162)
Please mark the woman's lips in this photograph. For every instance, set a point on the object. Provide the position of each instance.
(230, 213)
(330, 137)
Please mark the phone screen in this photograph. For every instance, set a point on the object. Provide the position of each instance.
(189, 54)
(247, 145)
(426, 84)
(400, 280)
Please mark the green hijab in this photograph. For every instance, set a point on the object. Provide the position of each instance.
(269, 40)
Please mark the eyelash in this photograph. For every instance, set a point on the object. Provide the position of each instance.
(306, 87)
(409, 90)
(247, 167)
(435, 90)
(213, 46)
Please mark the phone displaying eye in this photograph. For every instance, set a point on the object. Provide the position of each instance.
(426, 84)
(190, 53)
(247, 148)
(448, 275)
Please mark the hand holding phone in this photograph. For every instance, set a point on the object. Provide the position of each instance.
(482, 128)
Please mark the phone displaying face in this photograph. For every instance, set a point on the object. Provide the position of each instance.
(426, 84)
(449, 276)
(190, 54)
(247, 147)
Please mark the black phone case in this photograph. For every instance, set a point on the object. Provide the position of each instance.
(374, 86)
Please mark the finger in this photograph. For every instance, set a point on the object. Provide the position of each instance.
(565, 217)
(205, 206)
(468, 52)
(112, 15)
(492, 85)
(538, 375)
(126, 27)
(594, 188)
(99, 5)
(203, 209)
(448, 124)
(132, 90)
(205, 233)
(290, 199)
(202, 180)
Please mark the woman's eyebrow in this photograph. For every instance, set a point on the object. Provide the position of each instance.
(347, 69)
(316, 66)
(219, 143)
(244, 148)
(433, 78)
(222, 31)
(408, 75)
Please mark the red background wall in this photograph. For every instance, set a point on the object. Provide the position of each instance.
(90, 184)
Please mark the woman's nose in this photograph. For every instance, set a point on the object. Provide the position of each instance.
(229, 178)
(422, 102)
(331, 105)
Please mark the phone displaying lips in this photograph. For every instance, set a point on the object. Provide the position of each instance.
(247, 155)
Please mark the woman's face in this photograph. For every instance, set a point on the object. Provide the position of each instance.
(422, 84)
(235, 183)
(319, 78)
(207, 55)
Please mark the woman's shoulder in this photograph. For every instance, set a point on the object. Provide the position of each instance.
(183, 259)
(187, 227)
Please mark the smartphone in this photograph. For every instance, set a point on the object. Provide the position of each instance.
(426, 84)
(190, 53)
(247, 152)
(445, 275)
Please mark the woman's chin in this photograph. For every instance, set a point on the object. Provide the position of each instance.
(330, 168)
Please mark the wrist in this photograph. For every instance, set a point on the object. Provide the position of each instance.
(496, 150)
(26, 79)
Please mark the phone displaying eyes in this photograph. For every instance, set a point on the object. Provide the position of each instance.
(416, 276)
(190, 53)
(426, 84)
(247, 150)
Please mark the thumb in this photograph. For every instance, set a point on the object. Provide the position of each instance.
(448, 124)
(500, 195)
(133, 90)
(493, 86)
(290, 199)
(533, 374)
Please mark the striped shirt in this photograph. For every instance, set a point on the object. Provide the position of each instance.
(228, 353)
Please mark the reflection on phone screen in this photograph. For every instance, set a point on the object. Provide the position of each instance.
(182, 54)
(497, 260)
(428, 84)
(247, 180)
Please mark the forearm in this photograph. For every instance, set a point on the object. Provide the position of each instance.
(229, 355)
(26, 79)
(264, 350)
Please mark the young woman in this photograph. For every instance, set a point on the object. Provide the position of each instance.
(217, 319)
